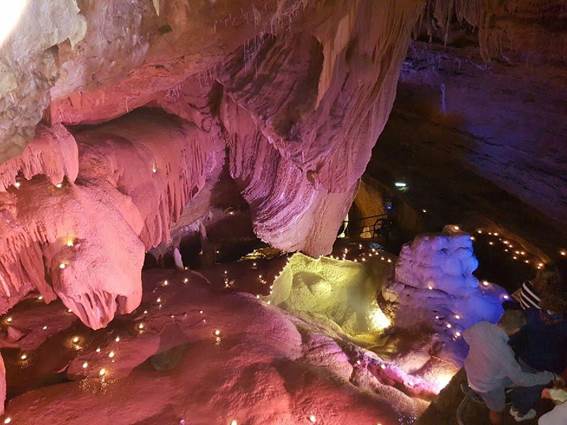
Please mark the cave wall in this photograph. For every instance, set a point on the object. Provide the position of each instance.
(482, 93)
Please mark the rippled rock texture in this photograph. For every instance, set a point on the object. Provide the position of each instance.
(287, 96)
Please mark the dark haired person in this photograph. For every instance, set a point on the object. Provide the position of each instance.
(542, 343)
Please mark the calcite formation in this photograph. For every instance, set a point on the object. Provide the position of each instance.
(289, 96)
(434, 286)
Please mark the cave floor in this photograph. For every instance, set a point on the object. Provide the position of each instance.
(193, 353)
(206, 347)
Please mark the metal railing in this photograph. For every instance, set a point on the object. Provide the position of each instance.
(370, 227)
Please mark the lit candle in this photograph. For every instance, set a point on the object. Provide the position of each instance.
(85, 365)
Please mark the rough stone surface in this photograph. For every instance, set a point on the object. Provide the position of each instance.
(296, 93)
(265, 368)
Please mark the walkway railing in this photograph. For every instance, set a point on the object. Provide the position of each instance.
(370, 227)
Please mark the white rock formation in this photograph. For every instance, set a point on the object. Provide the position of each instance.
(434, 285)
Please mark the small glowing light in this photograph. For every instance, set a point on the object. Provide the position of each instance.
(9, 319)
(400, 185)
(40, 298)
(62, 265)
(489, 233)
(479, 231)
(217, 332)
(75, 339)
(154, 168)
(424, 211)
(117, 339)
(233, 422)
(473, 238)
(8, 420)
(70, 243)
(382, 366)
(186, 280)
(69, 310)
(430, 287)
(165, 283)
(23, 356)
(458, 334)
(312, 419)
(102, 372)
(506, 297)
(141, 326)
(514, 257)
(457, 316)
(563, 252)
(158, 300)
(495, 233)
(490, 243)
(97, 349)
(85, 365)
(145, 311)
(201, 312)
(485, 283)
(449, 326)
(111, 354)
(44, 327)
(456, 228)
(59, 185)
(389, 260)
(17, 185)
(527, 261)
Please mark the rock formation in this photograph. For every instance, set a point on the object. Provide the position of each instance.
(434, 286)
(295, 93)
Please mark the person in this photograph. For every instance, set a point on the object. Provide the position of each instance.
(491, 367)
(542, 343)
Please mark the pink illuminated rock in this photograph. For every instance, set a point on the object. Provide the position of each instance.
(264, 369)
(53, 153)
(137, 175)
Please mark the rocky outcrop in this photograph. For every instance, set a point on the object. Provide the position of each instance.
(137, 174)
(295, 92)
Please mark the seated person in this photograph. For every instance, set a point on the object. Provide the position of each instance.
(491, 368)
(542, 343)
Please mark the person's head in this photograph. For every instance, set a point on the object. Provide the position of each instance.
(551, 284)
(512, 321)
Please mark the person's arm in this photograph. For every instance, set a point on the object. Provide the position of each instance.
(514, 371)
